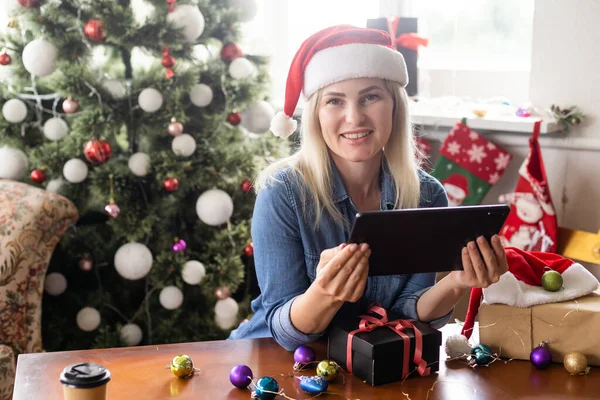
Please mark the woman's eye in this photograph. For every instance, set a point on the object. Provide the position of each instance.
(371, 97)
(333, 102)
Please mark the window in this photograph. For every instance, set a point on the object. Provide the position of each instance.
(280, 27)
(477, 49)
(476, 35)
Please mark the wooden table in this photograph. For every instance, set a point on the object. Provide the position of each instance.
(141, 373)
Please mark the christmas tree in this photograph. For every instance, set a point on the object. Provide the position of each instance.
(149, 117)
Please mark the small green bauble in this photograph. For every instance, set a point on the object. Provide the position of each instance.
(182, 366)
(552, 281)
(328, 370)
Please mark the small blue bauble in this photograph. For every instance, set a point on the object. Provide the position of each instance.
(482, 354)
(265, 383)
(313, 384)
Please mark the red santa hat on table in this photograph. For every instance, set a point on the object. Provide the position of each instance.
(333, 55)
(522, 287)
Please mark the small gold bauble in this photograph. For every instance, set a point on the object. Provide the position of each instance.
(328, 370)
(576, 363)
(182, 366)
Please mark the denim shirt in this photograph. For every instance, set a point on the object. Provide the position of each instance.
(287, 249)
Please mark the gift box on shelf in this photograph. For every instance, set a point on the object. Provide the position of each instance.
(379, 351)
(404, 33)
(567, 326)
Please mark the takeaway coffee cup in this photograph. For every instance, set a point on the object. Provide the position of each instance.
(84, 381)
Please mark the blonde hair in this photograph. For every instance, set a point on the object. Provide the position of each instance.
(312, 166)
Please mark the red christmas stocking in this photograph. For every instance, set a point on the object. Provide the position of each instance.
(531, 224)
(469, 165)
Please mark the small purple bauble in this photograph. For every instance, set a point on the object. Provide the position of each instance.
(304, 355)
(179, 246)
(241, 376)
(540, 357)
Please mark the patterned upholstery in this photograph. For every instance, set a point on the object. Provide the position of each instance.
(32, 222)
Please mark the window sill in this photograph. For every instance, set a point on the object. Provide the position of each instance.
(498, 123)
(507, 131)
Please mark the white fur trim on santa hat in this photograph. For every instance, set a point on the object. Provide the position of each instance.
(283, 125)
(577, 282)
(350, 61)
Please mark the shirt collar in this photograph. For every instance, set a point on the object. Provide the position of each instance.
(386, 182)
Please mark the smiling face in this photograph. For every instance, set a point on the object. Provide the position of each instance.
(356, 118)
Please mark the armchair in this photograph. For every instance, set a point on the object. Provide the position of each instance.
(32, 221)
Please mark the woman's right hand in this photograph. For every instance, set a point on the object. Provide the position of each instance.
(342, 272)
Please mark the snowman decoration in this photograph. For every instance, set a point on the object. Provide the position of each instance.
(457, 189)
(531, 233)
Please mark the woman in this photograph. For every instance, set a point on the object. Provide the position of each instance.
(357, 154)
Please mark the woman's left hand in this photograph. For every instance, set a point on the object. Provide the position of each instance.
(482, 267)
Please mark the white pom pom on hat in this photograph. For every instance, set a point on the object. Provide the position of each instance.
(335, 54)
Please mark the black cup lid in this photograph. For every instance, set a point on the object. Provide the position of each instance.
(85, 375)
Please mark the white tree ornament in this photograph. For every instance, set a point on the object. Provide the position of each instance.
(193, 272)
(55, 284)
(241, 68)
(131, 334)
(54, 185)
(150, 100)
(184, 145)
(201, 95)
(139, 164)
(75, 170)
(14, 111)
(170, 297)
(88, 319)
(116, 89)
(55, 129)
(14, 163)
(257, 118)
(225, 323)
(226, 308)
(188, 18)
(133, 260)
(39, 57)
(214, 207)
(247, 8)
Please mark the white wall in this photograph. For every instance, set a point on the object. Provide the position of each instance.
(565, 65)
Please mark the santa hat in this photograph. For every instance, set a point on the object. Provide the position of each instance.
(522, 287)
(333, 55)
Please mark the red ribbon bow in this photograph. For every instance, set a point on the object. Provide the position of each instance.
(369, 323)
(411, 41)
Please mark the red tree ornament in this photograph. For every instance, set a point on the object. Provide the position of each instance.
(38, 176)
(249, 250)
(29, 3)
(168, 61)
(171, 184)
(230, 52)
(234, 118)
(94, 31)
(97, 151)
(5, 58)
(246, 186)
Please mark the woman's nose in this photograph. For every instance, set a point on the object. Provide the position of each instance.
(355, 115)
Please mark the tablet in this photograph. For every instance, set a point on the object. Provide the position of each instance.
(423, 239)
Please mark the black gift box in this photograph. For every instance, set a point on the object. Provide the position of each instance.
(377, 355)
(406, 25)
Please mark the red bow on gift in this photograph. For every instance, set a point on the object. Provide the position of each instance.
(369, 323)
(411, 41)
